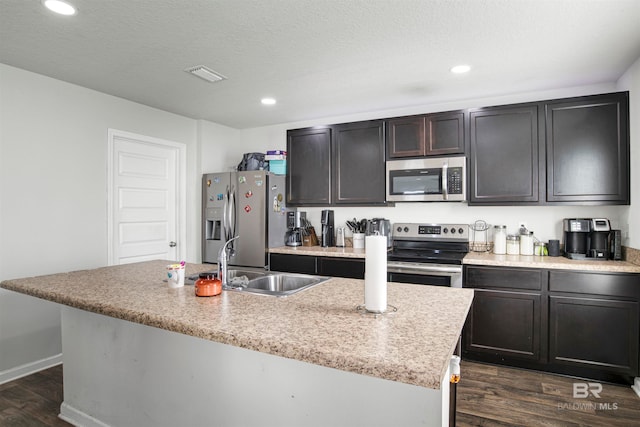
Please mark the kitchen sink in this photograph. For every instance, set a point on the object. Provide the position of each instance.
(240, 275)
(279, 284)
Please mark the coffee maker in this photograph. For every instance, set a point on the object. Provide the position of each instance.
(586, 238)
(296, 221)
(599, 238)
(326, 219)
(576, 237)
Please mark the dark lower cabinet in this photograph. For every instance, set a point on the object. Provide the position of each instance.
(594, 333)
(293, 263)
(594, 324)
(505, 324)
(341, 267)
(324, 266)
(582, 324)
(506, 319)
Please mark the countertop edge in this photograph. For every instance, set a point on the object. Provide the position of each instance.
(409, 372)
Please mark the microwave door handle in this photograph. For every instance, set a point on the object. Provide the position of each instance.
(445, 183)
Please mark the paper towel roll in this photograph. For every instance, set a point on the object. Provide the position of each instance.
(375, 274)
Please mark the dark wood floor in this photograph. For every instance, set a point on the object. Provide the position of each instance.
(487, 396)
(32, 401)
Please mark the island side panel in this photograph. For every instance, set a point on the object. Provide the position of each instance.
(122, 373)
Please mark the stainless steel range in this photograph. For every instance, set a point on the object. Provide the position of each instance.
(428, 254)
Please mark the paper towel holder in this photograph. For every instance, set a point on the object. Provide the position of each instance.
(363, 310)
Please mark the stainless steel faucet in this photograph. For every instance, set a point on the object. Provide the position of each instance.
(222, 262)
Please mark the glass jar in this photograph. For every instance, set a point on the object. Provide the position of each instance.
(526, 243)
(540, 249)
(513, 244)
(500, 239)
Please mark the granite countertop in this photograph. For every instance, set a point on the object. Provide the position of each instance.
(319, 251)
(319, 325)
(484, 258)
(559, 263)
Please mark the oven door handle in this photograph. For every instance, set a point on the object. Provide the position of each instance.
(434, 270)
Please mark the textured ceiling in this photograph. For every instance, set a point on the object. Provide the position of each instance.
(320, 58)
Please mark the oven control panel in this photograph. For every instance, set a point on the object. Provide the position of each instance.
(431, 231)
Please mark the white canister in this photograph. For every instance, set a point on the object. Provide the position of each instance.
(526, 243)
(500, 239)
(513, 244)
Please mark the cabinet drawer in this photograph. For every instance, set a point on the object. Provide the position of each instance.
(341, 267)
(609, 284)
(509, 278)
(303, 264)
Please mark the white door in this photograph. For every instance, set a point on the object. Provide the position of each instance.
(146, 198)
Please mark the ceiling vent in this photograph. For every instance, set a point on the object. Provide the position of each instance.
(205, 73)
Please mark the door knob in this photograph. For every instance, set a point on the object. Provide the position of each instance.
(172, 244)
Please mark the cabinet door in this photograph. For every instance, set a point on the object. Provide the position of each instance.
(309, 167)
(594, 333)
(359, 163)
(504, 324)
(588, 149)
(287, 263)
(406, 137)
(445, 133)
(341, 267)
(504, 155)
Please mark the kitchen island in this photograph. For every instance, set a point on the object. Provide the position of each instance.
(137, 352)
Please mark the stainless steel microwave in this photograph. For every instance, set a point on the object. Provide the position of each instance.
(435, 179)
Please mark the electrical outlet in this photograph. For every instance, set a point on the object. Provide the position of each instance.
(522, 225)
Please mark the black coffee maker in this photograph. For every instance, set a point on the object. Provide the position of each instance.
(599, 238)
(586, 238)
(576, 237)
(326, 219)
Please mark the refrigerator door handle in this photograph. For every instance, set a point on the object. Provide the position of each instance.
(225, 220)
(232, 213)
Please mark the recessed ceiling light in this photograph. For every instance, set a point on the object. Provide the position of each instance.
(460, 69)
(268, 101)
(205, 73)
(59, 6)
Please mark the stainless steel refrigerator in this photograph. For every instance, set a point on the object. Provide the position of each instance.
(249, 204)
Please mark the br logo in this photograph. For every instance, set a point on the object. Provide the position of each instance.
(583, 390)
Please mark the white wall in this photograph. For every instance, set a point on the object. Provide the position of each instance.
(545, 221)
(631, 81)
(53, 199)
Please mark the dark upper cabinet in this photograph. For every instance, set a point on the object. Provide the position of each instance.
(504, 155)
(445, 133)
(430, 135)
(588, 149)
(359, 163)
(572, 151)
(405, 137)
(309, 166)
(337, 165)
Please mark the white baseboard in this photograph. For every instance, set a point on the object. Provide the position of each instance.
(29, 368)
(636, 386)
(78, 418)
